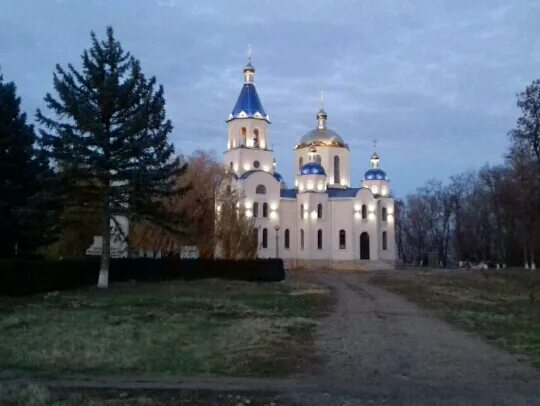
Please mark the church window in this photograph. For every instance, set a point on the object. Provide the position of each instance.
(319, 211)
(364, 211)
(300, 163)
(319, 239)
(384, 240)
(260, 190)
(256, 138)
(228, 189)
(287, 239)
(301, 211)
(342, 240)
(243, 133)
(265, 210)
(265, 238)
(256, 164)
(318, 159)
(301, 239)
(337, 175)
(255, 209)
(231, 166)
(384, 215)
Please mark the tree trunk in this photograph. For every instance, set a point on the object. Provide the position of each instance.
(103, 280)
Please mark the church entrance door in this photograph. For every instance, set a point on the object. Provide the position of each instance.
(364, 245)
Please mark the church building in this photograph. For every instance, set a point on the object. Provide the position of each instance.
(323, 221)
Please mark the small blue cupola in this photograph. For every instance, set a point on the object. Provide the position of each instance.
(312, 168)
(375, 173)
(248, 104)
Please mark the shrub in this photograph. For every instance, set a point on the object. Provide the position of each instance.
(22, 277)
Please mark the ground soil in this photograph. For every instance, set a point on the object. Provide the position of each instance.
(377, 348)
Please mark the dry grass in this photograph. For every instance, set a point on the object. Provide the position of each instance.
(497, 304)
(166, 329)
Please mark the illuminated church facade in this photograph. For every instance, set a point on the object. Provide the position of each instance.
(323, 221)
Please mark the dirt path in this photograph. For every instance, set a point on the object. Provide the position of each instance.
(381, 348)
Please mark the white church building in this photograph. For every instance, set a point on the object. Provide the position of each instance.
(323, 221)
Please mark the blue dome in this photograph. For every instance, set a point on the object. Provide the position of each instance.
(312, 168)
(278, 177)
(375, 174)
(248, 103)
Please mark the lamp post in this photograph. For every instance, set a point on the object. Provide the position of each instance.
(277, 240)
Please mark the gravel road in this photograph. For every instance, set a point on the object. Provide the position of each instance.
(382, 349)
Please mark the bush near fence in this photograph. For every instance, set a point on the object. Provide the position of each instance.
(23, 277)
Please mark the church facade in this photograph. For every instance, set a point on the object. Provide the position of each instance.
(323, 221)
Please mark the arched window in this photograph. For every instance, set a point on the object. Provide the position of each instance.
(256, 237)
(337, 176)
(301, 211)
(301, 239)
(318, 159)
(260, 190)
(255, 138)
(342, 240)
(300, 163)
(384, 215)
(287, 239)
(231, 166)
(265, 238)
(255, 209)
(319, 239)
(243, 133)
(228, 189)
(319, 211)
(265, 210)
(364, 211)
(384, 240)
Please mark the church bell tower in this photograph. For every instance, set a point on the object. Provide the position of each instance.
(247, 131)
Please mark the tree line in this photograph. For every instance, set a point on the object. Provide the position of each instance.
(490, 215)
(102, 151)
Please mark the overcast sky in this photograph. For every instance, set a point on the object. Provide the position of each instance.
(433, 81)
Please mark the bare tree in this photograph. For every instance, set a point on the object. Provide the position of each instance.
(235, 234)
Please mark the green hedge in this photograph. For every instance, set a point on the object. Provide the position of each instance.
(23, 277)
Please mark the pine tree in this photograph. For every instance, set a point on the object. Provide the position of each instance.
(23, 170)
(109, 138)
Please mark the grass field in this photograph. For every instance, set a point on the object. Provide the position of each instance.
(497, 304)
(214, 327)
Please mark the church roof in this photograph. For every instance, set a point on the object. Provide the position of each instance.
(335, 192)
(375, 174)
(278, 177)
(248, 104)
(290, 193)
(322, 136)
(312, 168)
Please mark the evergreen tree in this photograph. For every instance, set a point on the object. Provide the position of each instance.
(109, 138)
(23, 169)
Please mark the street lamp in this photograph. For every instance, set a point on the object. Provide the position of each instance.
(277, 240)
